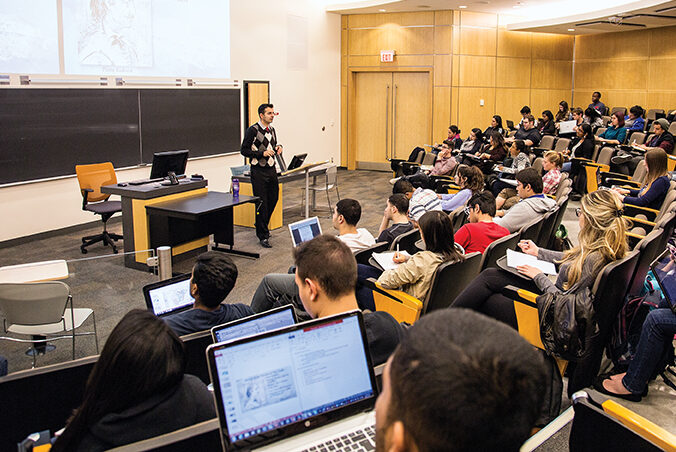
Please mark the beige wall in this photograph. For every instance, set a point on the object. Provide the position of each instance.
(258, 51)
(472, 58)
(628, 68)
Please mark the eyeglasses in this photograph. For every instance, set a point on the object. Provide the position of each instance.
(466, 210)
(578, 212)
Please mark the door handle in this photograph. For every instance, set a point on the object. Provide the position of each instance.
(394, 122)
(387, 117)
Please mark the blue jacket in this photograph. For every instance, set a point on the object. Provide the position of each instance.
(652, 197)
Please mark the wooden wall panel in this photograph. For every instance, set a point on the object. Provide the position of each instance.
(624, 98)
(477, 71)
(441, 113)
(399, 61)
(478, 41)
(514, 43)
(616, 46)
(513, 73)
(552, 74)
(552, 47)
(508, 102)
(472, 114)
(442, 70)
(661, 74)
(478, 19)
(662, 43)
(443, 36)
(443, 17)
(454, 105)
(547, 99)
(401, 19)
(367, 41)
(411, 40)
(663, 100)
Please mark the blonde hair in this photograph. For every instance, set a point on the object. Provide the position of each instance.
(554, 157)
(656, 159)
(604, 231)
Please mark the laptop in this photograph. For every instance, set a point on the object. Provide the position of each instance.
(567, 126)
(255, 324)
(275, 389)
(304, 230)
(169, 296)
(664, 269)
(296, 162)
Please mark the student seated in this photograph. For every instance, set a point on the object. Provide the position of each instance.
(551, 164)
(546, 126)
(472, 145)
(525, 111)
(518, 160)
(443, 166)
(137, 389)
(492, 153)
(395, 219)
(471, 180)
(626, 162)
(533, 203)
(582, 146)
(420, 200)
(481, 231)
(634, 120)
(459, 381)
(577, 115)
(657, 183)
(496, 126)
(527, 133)
(593, 118)
(563, 114)
(453, 140)
(414, 275)
(346, 215)
(326, 276)
(213, 277)
(602, 239)
(615, 133)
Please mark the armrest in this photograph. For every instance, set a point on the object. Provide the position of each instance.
(633, 239)
(527, 316)
(400, 305)
(85, 195)
(550, 196)
(640, 425)
(631, 210)
(622, 183)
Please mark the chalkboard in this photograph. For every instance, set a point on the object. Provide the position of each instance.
(46, 132)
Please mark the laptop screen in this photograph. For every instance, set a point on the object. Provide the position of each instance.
(664, 269)
(295, 375)
(169, 296)
(259, 323)
(304, 230)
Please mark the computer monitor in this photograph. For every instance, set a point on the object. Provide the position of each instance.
(163, 162)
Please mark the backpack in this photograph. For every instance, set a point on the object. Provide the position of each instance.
(561, 240)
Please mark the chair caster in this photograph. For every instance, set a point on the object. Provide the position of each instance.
(83, 250)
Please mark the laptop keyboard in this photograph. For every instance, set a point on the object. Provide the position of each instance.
(363, 439)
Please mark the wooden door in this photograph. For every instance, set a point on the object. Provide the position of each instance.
(411, 112)
(372, 119)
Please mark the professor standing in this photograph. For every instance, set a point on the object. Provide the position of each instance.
(260, 146)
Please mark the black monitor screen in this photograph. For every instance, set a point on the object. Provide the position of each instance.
(163, 162)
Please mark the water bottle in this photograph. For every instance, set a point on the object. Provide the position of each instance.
(235, 188)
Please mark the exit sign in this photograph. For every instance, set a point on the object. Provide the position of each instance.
(387, 56)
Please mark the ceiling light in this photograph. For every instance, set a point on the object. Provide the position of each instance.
(571, 29)
(382, 10)
(462, 6)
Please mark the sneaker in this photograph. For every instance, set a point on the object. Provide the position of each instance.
(621, 158)
(394, 180)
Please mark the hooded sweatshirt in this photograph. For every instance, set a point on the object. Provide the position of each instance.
(184, 405)
(525, 211)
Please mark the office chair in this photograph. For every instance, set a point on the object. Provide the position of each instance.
(91, 178)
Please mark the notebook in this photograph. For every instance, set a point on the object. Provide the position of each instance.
(169, 296)
(664, 269)
(304, 230)
(297, 387)
(255, 324)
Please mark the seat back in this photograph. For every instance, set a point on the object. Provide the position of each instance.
(400, 305)
(599, 131)
(668, 200)
(331, 176)
(562, 202)
(239, 170)
(537, 164)
(651, 115)
(639, 173)
(648, 251)
(562, 144)
(458, 218)
(531, 230)
(638, 137)
(594, 429)
(667, 223)
(94, 176)
(40, 399)
(566, 182)
(204, 436)
(672, 128)
(34, 303)
(547, 142)
(363, 256)
(595, 154)
(429, 158)
(497, 249)
(195, 345)
(609, 291)
(605, 155)
(449, 280)
(606, 120)
(547, 228)
(407, 241)
(622, 110)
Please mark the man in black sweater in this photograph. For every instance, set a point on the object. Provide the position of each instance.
(260, 146)
(326, 276)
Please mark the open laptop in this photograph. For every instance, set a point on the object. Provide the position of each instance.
(664, 269)
(296, 162)
(255, 324)
(274, 389)
(304, 230)
(169, 296)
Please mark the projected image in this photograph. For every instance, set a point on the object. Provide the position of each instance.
(115, 33)
(168, 38)
(29, 37)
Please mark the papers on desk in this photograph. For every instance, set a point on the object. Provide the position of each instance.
(426, 167)
(567, 126)
(511, 182)
(385, 259)
(516, 259)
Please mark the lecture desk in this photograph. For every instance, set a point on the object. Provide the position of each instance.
(135, 230)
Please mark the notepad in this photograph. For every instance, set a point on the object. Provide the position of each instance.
(515, 259)
(385, 259)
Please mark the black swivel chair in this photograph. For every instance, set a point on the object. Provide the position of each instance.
(91, 178)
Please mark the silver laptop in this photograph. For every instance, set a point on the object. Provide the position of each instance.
(273, 390)
(304, 230)
(169, 296)
(255, 324)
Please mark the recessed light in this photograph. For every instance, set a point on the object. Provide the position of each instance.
(571, 29)
(382, 10)
(462, 6)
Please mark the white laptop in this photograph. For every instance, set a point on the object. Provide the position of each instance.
(567, 126)
(304, 230)
(273, 390)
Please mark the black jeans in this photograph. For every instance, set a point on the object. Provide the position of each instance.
(266, 186)
(484, 295)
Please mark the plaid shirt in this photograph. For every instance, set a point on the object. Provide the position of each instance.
(550, 181)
